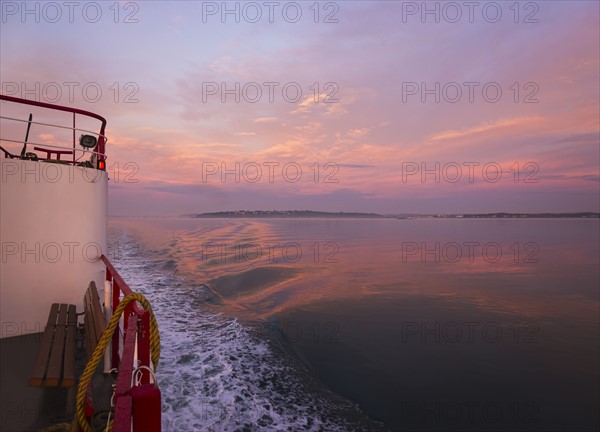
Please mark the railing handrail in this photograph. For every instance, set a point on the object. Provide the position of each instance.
(101, 140)
(52, 125)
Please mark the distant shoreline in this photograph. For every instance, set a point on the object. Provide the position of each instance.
(284, 214)
(356, 215)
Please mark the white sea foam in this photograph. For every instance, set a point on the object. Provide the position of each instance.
(216, 374)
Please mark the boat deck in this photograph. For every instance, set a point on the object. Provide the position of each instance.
(26, 408)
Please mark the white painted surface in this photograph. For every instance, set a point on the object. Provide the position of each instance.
(52, 233)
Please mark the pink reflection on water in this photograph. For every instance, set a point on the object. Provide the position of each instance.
(261, 267)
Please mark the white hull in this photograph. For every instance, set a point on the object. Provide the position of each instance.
(52, 233)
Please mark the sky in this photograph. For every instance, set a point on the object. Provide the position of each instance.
(388, 107)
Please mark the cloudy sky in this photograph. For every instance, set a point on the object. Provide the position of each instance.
(391, 107)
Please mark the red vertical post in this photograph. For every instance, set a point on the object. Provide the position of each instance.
(101, 142)
(123, 405)
(115, 339)
(127, 314)
(146, 397)
(146, 408)
(73, 138)
(144, 345)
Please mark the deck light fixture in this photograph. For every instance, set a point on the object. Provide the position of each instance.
(88, 141)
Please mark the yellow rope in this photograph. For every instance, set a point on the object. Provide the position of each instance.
(92, 364)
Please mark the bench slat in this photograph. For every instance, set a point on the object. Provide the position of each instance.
(39, 370)
(69, 363)
(94, 326)
(90, 338)
(98, 317)
(55, 363)
(94, 317)
(53, 316)
(87, 302)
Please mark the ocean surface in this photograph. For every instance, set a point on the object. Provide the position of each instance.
(370, 324)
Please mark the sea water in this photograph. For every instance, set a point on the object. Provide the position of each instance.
(370, 324)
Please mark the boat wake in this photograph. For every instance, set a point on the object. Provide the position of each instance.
(219, 374)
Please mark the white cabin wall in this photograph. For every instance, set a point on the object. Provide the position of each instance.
(53, 221)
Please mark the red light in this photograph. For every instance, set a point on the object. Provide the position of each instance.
(101, 165)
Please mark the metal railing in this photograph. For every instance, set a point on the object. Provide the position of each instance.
(135, 355)
(99, 154)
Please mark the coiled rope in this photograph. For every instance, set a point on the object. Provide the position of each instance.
(98, 354)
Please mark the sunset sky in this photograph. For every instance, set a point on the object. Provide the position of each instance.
(336, 104)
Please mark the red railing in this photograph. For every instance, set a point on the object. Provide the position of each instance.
(101, 134)
(136, 323)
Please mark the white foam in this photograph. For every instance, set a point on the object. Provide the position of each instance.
(214, 373)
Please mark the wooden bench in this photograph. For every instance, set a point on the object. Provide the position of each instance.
(55, 363)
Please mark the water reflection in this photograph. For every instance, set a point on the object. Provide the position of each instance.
(422, 322)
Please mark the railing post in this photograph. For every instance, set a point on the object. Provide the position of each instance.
(115, 303)
(144, 345)
(73, 138)
(127, 314)
(107, 317)
(123, 401)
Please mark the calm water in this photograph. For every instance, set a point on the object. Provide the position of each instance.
(350, 324)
